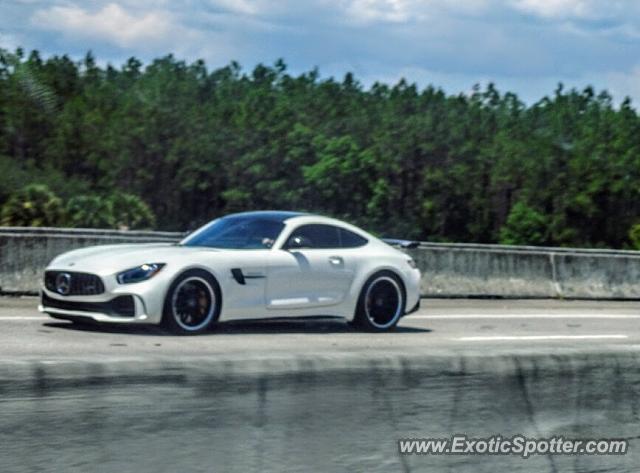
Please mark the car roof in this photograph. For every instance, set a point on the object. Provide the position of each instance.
(281, 216)
(303, 218)
(271, 215)
(311, 219)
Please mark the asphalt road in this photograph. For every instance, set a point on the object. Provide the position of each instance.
(119, 400)
(441, 326)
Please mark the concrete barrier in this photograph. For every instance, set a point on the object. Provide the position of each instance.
(312, 414)
(472, 270)
(25, 252)
(449, 270)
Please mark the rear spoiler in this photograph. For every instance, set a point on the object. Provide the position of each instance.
(401, 243)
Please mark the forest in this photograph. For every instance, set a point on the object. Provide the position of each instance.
(170, 145)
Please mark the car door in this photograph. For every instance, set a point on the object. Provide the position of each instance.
(310, 270)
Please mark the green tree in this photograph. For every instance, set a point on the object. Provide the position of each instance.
(194, 143)
(130, 212)
(634, 236)
(90, 211)
(33, 206)
(524, 226)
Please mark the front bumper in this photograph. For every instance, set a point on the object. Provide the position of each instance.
(415, 308)
(115, 308)
(147, 296)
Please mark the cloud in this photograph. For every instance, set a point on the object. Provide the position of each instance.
(245, 7)
(111, 23)
(625, 84)
(404, 11)
(8, 42)
(595, 12)
(526, 45)
(555, 8)
(367, 11)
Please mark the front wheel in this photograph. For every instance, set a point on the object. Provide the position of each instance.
(381, 303)
(192, 303)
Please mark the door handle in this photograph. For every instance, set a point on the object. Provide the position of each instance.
(336, 260)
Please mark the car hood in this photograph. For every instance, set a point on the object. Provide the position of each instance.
(109, 259)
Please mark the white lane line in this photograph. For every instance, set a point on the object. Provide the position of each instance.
(22, 317)
(524, 316)
(539, 337)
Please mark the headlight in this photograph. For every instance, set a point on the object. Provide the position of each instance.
(412, 263)
(140, 273)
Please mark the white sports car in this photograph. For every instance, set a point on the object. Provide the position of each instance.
(242, 266)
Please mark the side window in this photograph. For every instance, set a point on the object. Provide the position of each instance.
(314, 236)
(351, 240)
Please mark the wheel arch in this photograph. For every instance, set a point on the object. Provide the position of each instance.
(184, 269)
(196, 267)
(397, 274)
(361, 317)
(359, 285)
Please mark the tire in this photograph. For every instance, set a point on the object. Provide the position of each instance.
(192, 304)
(381, 303)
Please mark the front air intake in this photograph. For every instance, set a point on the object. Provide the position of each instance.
(121, 306)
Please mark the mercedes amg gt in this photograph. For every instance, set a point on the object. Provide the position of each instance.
(242, 266)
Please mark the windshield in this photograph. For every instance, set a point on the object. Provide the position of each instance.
(238, 233)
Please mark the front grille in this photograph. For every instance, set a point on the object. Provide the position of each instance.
(121, 306)
(79, 284)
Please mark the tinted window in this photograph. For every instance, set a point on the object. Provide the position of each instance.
(238, 233)
(351, 240)
(315, 236)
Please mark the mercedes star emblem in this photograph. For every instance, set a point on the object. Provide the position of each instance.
(63, 283)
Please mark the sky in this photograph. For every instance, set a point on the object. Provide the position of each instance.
(523, 46)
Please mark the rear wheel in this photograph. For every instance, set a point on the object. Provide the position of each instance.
(381, 303)
(192, 304)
